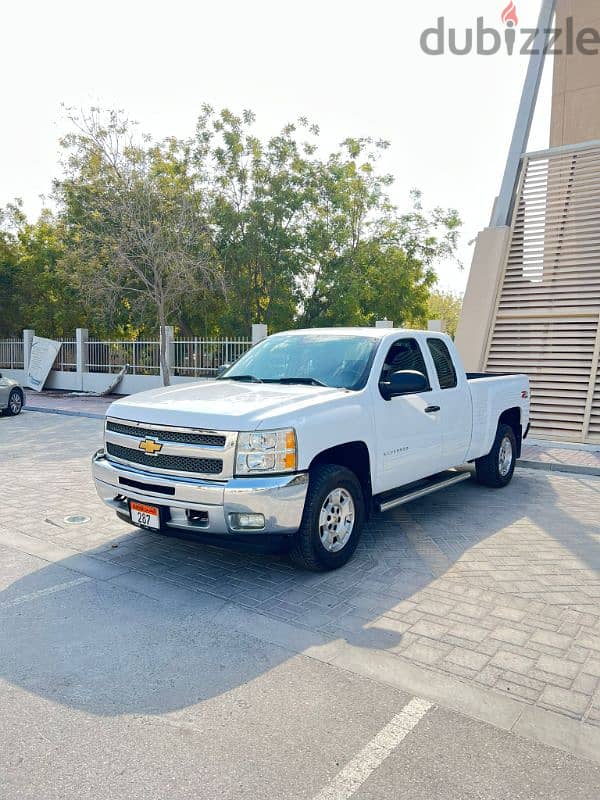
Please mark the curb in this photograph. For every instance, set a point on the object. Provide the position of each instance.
(571, 469)
(63, 413)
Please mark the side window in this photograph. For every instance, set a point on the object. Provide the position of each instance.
(443, 363)
(404, 354)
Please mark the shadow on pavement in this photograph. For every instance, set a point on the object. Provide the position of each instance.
(97, 646)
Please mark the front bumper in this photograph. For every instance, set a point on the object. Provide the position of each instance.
(202, 505)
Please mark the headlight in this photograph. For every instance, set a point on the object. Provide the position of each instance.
(266, 451)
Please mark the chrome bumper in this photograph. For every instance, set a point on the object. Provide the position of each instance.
(279, 499)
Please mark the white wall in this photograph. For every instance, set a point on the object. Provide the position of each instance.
(98, 381)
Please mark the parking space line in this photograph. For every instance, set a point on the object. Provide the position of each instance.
(356, 772)
(58, 587)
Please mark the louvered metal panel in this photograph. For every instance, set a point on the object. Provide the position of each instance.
(547, 317)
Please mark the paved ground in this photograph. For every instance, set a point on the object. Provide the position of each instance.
(562, 458)
(68, 402)
(149, 665)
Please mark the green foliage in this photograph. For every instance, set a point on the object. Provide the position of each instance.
(218, 231)
(35, 291)
(445, 305)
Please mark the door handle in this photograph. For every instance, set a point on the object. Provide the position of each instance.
(432, 409)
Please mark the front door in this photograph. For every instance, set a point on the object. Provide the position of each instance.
(409, 438)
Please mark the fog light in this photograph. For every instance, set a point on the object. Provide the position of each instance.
(247, 521)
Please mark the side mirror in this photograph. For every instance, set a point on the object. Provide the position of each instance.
(222, 369)
(403, 382)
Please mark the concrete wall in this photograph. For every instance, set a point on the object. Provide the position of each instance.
(479, 304)
(97, 382)
(576, 91)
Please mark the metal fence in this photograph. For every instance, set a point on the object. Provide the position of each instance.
(11, 354)
(192, 358)
(203, 357)
(142, 358)
(66, 358)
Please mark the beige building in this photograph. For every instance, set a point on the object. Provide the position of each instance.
(533, 297)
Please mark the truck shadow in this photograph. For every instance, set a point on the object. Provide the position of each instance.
(97, 646)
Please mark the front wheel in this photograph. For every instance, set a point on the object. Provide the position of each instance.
(15, 403)
(334, 514)
(497, 468)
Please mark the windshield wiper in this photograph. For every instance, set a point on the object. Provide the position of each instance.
(248, 378)
(305, 381)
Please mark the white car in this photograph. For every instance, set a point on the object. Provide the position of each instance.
(12, 397)
(305, 434)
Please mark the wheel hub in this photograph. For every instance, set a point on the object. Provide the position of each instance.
(505, 457)
(15, 402)
(336, 520)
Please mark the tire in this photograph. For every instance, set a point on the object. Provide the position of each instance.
(497, 468)
(15, 403)
(327, 541)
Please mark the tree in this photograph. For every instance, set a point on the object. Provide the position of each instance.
(260, 198)
(34, 290)
(153, 233)
(307, 240)
(10, 321)
(138, 233)
(371, 261)
(445, 305)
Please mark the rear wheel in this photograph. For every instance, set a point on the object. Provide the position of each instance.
(15, 403)
(332, 522)
(497, 468)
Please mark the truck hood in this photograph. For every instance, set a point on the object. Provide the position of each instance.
(224, 405)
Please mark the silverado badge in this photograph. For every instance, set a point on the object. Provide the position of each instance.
(150, 446)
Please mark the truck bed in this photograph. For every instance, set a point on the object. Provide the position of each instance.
(492, 394)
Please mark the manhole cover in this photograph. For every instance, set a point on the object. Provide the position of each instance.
(76, 519)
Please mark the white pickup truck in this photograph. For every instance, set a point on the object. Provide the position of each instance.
(305, 434)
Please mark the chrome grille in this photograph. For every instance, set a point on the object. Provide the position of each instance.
(180, 437)
(201, 452)
(208, 466)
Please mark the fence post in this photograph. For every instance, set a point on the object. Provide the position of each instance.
(384, 323)
(28, 335)
(81, 341)
(81, 353)
(259, 332)
(170, 350)
(438, 325)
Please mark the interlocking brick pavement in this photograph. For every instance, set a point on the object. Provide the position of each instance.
(549, 455)
(498, 588)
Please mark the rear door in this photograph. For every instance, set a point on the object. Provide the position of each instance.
(453, 396)
(408, 430)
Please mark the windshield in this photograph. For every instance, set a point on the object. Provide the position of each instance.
(312, 358)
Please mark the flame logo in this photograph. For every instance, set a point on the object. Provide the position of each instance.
(509, 15)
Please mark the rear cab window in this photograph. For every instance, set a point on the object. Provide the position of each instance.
(444, 366)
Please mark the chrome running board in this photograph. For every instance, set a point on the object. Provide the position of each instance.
(422, 488)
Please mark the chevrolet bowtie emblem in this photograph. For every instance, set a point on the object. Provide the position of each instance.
(150, 446)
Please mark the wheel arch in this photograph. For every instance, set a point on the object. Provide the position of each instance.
(354, 456)
(512, 418)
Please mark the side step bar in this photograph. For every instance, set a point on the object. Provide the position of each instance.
(422, 488)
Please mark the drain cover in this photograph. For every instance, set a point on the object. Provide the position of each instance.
(76, 519)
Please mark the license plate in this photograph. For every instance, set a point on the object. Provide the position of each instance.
(144, 515)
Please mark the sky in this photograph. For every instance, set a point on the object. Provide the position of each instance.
(354, 68)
